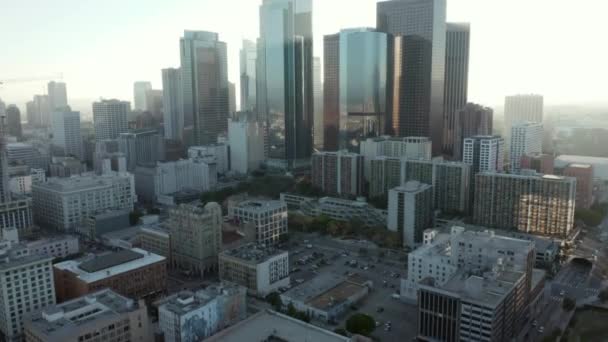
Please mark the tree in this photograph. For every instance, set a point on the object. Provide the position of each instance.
(275, 300)
(361, 324)
(568, 304)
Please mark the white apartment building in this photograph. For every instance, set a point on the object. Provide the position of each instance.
(410, 211)
(246, 146)
(484, 153)
(526, 138)
(26, 285)
(171, 177)
(523, 108)
(62, 203)
(57, 247)
(21, 184)
(214, 153)
(268, 217)
(387, 146)
(66, 132)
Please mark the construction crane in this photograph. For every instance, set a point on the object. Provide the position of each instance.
(32, 79)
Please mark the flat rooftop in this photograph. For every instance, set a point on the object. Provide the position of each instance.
(336, 295)
(260, 205)
(315, 287)
(92, 269)
(272, 326)
(253, 253)
(489, 289)
(188, 301)
(76, 183)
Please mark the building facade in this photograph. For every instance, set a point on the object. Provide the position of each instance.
(218, 153)
(584, 183)
(141, 147)
(471, 120)
(484, 153)
(66, 133)
(338, 173)
(394, 147)
(58, 96)
(110, 118)
(139, 94)
(518, 108)
(526, 138)
(13, 122)
(410, 211)
(268, 217)
(539, 162)
(173, 104)
(246, 139)
(248, 58)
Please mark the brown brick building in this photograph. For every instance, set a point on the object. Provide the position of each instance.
(132, 273)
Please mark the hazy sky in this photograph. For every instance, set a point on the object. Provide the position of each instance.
(557, 48)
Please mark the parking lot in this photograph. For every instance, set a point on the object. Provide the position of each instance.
(310, 255)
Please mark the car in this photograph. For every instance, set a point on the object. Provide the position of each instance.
(562, 293)
(541, 329)
(378, 324)
(534, 323)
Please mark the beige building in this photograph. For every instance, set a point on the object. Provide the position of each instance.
(99, 316)
(196, 237)
(155, 239)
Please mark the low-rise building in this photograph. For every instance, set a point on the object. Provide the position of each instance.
(268, 217)
(17, 213)
(103, 222)
(260, 268)
(56, 247)
(100, 316)
(156, 239)
(191, 316)
(133, 273)
(214, 153)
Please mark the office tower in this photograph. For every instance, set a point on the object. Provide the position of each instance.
(205, 85)
(13, 122)
(526, 138)
(409, 147)
(40, 111)
(5, 194)
(154, 104)
(410, 211)
(584, 183)
(54, 200)
(456, 82)
(105, 314)
(58, 97)
(196, 237)
(522, 108)
(131, 272)
(66, 132)
(471, 120)
(285, 85)
(531, 203)
(139, 94)
(173, 104)
(246, 139)
(18, 300)
(248, 60)
(268, 217)
(356, 70)
(317, 86)
(338, 173)
(141, 147)
(485, 153)
(539, 162)
(231, 99)
(261, 269)
(110, 118)
(416, 66)
(219, 306)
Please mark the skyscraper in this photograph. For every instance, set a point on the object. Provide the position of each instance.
(58, 97)
(173, 111)
(40, 111)
(143, 146)
(5, 193)
(231, 99)
(317, 85)
(526, 138)
(522, 108)
(471, 120)
(456, 83)
(416, 66)
(205, 85)
(285, 85)
(331, 91)
(485, 153)
(248, 59)
(66, 132)
(139, 94)
(360, 86)
(13, 122)
(110, 118)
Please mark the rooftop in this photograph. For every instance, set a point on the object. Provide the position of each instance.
(336, 295)
(188, 301)
(261, 205)
(8, 262)
(83, 182)
(92, 269)
(253, 253)
(412, 186)
(315, 287)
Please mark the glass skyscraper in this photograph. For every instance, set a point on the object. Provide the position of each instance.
(416, 66)
(285, 85)
(248, 60)
(356, 68)
(204, 71)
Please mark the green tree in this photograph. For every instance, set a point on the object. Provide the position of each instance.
(568, 304)
(274, 299)
(361, 324)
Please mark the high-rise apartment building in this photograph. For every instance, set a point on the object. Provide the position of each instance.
(357, 69)
(268, 217)
(456, 82)
(409, 147)
(110, 118)
(139, 94)
(248, 60)
(584, 183)
(173, 104)
(338, 173)
(471, 120)
(141, 147)
(66, 132)
(13, 122)
(530, 203)
(58, 97)
(204, 68)
(416, 66)
(385, 174)
(410, 211)
(285, 83)
(317, 85)
(196, 237)
(484, 153)
(526, 138)
(246, 139)
(539, 162)
(39, 111)
(518, 108)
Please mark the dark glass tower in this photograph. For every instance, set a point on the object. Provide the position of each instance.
(456, 84)
(285, 81)
(416, 66)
